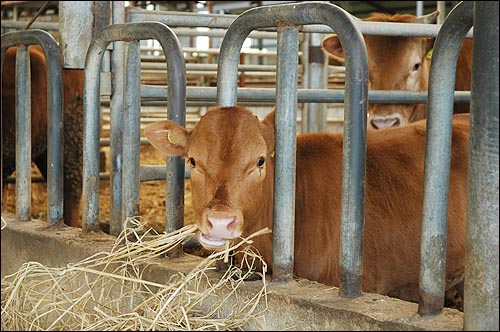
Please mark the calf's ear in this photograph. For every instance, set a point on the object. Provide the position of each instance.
(427, 19)
(267, 126)
(167, 137)
(331, 45)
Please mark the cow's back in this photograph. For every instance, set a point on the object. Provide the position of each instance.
(393, 208)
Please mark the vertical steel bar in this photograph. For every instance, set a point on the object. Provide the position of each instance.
(53, 59)
(353, 153)
(316, 60)
(116, 133)
(438, 156)
(23, 134)
(131, 126)
(55, 134)
(2, 57)
(305, 80)
(176, 111)
(419, 11)
(286, 131)
(481, 264)
(324, 85)
(91, 133)
(441, 8)
(76, 23)
(356, 103)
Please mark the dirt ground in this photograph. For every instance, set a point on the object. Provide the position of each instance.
(152, 194)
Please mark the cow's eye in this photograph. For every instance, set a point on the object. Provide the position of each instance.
(192, 162)
(260, 162)
(416, 66)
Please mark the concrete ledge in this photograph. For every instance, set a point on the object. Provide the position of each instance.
(296, 305)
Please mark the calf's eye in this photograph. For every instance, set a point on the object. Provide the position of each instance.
(192, 162)
(260, 162)
(416, 66)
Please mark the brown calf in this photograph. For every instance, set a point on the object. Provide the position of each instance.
(73, 125)
(232, 173)
(403, 63)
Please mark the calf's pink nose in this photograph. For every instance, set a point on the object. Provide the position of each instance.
(385, 123)
(221, 227)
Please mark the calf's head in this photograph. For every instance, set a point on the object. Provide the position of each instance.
(229, 152)
(394, 63)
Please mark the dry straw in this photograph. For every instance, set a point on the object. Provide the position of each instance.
(107, 291)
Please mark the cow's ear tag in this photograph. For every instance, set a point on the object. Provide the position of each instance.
(272, 154)
(170, 138)
(429, 54)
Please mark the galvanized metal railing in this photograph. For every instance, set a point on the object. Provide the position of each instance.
(481, 310)
(131, 140)
(481, 264)
(437, 157)
(287, 18)
(53, 59)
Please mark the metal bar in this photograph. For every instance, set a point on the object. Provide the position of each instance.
(131, 126)
(182, 32)
(116, 133)
(285, 147)
(437, 158)
(146, 173)
(354, 150)
(224, 21)
(76, 22)
(253, 52)
(153, 172)
(481, 264)
(173, 18)
(441, 8)
(316, 57)
(176, 110)
(175, 166)
(419, 11)
(52, 26)
(23, 134)
(53, 59)
(305, 81)
(91, 132)
(150, 92)
(209, 67)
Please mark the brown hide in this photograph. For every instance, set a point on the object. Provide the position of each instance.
(225, 148)
(401, 63)
(73, 125)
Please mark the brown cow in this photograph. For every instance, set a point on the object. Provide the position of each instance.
(403, 63)
(73, 125)
(232, 170)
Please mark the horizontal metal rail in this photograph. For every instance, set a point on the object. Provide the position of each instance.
(223, 21)
(150, 92)
(208, 67)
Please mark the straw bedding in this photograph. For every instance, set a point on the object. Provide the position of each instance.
(107, 291)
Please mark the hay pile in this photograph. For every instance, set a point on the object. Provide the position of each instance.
(106, 291)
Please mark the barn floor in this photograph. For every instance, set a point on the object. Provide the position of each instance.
(296, 305)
